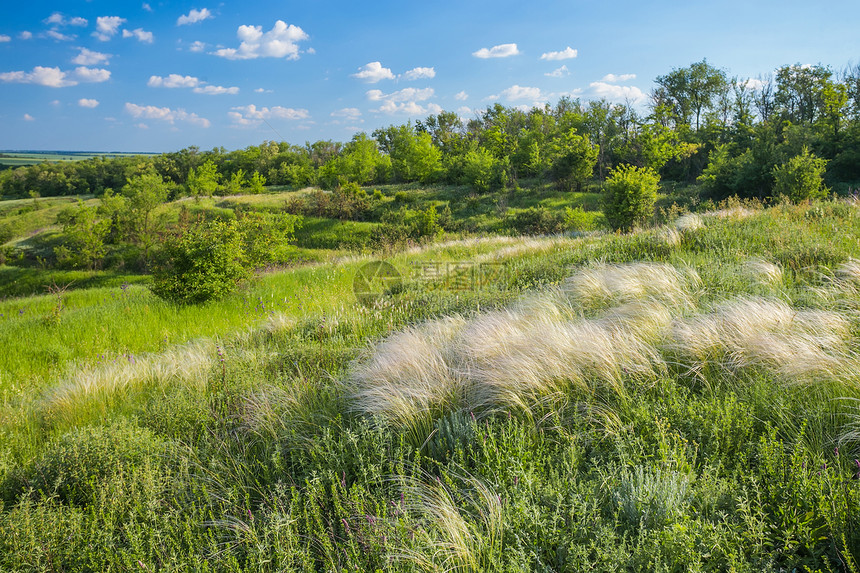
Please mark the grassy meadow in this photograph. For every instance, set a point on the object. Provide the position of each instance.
(682, 398)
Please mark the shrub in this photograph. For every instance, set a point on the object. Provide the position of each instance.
(536, 221)
(210, 259)
(75, 465)
(629, 196)
(801, 177)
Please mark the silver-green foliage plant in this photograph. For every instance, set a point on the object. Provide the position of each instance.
(629, 196)
(801, 177)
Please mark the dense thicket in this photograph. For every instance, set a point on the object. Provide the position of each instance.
(700, 123)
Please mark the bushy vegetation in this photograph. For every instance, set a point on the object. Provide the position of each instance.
(630, 195)
(681, 398)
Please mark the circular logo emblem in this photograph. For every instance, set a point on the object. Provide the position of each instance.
(375, 280)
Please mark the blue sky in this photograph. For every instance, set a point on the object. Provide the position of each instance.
(160, 76)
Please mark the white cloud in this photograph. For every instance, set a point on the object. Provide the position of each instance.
(373, 72)
(173, 81)
(406, 94)
(25, 35)
(558, 72)
(50, 77)
(566, 54)
(107, 27)
(177, 81)
(613, 79)
(751, 83)
(147, 7)
(461, 96)
(616, 93)
(90, 103)
(55, 18)
(90, 58)
(263, 91)
(516, 93)
(141, 126)
(404, 101)
(55, 35)
(197, 46)
(141, 35)
(250, 115)
(500, 51)
(165, 114)
(348, 113)
(463, 111)
(78, 21)
(4, 38)
(216, 90)
(92, 75)
(279, 42)
(420, 73)
(28, 117)
(194, 16)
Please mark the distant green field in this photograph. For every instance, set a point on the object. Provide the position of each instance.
(21, 158)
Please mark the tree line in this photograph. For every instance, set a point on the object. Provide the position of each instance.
(700, 124)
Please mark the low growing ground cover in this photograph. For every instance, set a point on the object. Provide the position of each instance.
(681, 398)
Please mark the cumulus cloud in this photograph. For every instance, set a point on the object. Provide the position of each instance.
(216, 90)
(251, 115)
(282, 41)
(107, 27)
(4, 38)
(197, 46)
(517, 93)
(178, 81)
(558, 72)
(500, 51)
(55, 35)
(25, 35)
(147, 7)
(90, 103)
(347, 113)
(566, 54)
(373, 72)
(613, 79)
(58, 19)
(616, 93)
(90, 58)
(55, 77)
(263, 91)
(194, 16)
(751, 83)
(165, 114)
(420, 73)
(141, 35)
(92, 75)
(405, 101)
(461, 96)
(28, 117)
(463, 111)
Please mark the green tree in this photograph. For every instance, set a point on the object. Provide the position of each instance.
(482, 171)
(690, 92)
(204, 180)
(801, 177)
(629, 196)
(85, 234)
(143, 194)
(574, 158)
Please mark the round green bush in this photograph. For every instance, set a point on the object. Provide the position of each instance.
(629, 196)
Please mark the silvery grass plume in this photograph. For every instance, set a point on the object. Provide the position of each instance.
(296, 412)
(762, 272)
(102, 385)
(689, 222)
(460, 531)
(608, 285)
(747, 332)
(409, 376)
(669, 236)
